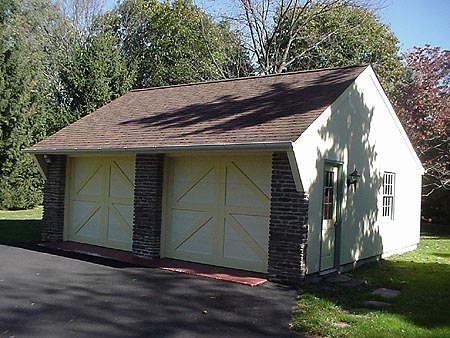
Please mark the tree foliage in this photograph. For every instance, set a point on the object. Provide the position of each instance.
(288, 35)
(174, 42)
(46, 82)
(22, 103)
(94, 75)
(423, 105)
(345, 35)
(20, 107)
(273, 27)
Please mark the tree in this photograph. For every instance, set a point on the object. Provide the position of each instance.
(22, 104)
(349, 35)
(35, 54)
(174, 42)
(94, 75)
(53, 70)
(82, 15)
(273, 27)
(423, 105)
(288, 35)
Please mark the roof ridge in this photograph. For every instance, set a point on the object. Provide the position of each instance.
(247, 78)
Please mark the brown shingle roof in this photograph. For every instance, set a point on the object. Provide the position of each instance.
(267, 109)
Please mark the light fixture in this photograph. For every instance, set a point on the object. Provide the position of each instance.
(353, 178)
(47, 159)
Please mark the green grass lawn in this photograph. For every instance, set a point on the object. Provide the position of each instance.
(20, 226)
(421, 310)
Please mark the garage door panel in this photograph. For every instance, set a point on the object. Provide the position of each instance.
(82, 212)
(241, 190)
(196, 189)
(248, 242)
(256, 227)
(101, 201)
(119, 229)
(87, 223)
(219, 213)
(188, 174)
(199, 242)
(236, 247)
(126, 167)
(121, 181)
(124, 212)
(190, 168)
(186, 224)
(87, 177)
(91, 185)
(257, 170)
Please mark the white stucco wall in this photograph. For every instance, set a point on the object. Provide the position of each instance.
(360, 130)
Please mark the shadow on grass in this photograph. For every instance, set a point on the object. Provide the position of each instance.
(423, 300)
(424, 287)
(20, 231)
(424, 290)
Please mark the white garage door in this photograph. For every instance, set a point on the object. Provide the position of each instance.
(218, 211)
(101, 201)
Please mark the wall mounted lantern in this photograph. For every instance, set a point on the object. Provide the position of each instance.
(353, 178)
(47, 159)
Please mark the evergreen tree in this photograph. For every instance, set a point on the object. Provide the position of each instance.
(94, 75)
(21, 107)
(50, 75)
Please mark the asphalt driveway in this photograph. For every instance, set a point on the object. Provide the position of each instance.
(44, 295)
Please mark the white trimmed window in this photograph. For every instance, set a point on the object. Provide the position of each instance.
(388, 195)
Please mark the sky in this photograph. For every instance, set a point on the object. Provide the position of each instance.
(414, 22)
(419, 22)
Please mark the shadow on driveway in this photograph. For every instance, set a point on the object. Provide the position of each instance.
(44, 295)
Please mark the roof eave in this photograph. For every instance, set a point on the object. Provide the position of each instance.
(269, 146)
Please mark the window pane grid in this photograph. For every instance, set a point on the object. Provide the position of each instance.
(328, 195)
(388, 195)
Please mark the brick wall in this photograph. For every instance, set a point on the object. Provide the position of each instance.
(288, 230)
(54, 195)
(148, 205)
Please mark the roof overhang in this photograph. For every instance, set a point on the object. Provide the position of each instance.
(272, 146)
(40, 155)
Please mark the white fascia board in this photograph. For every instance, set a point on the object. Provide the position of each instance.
(40, 163)
(268, 146)
(295, 169)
